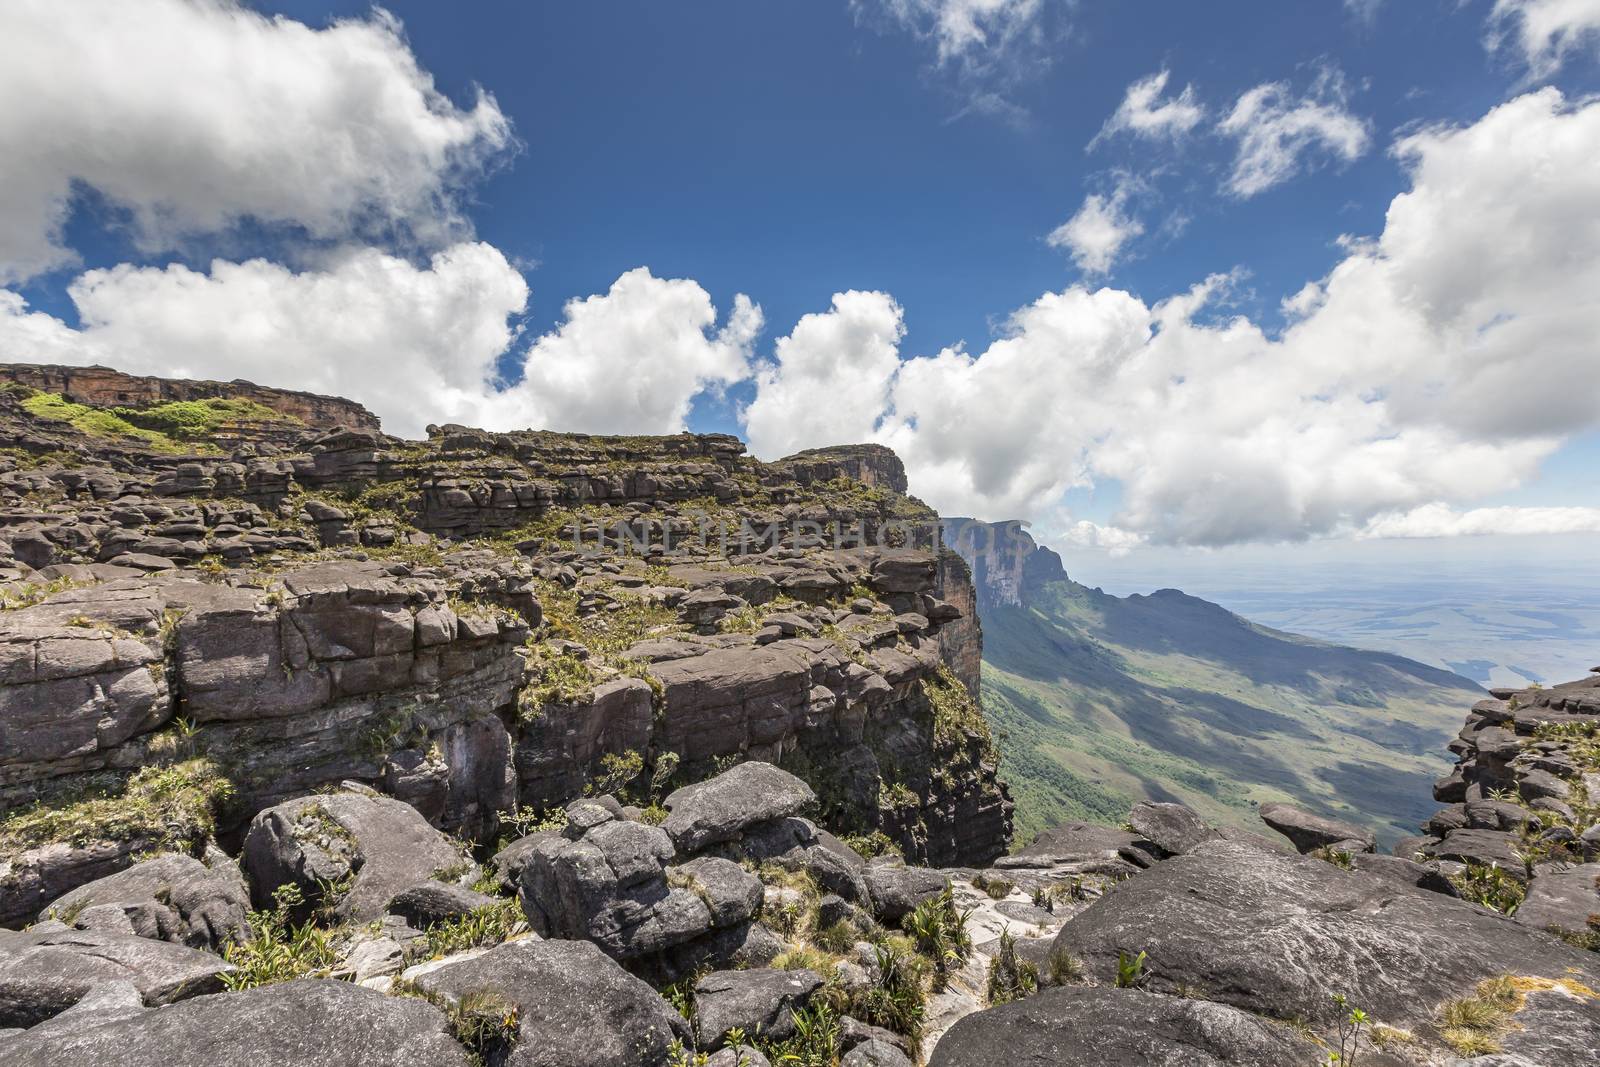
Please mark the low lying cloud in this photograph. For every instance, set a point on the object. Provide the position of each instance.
(1441, 520)
(192, 115)
(415, 344)
(1436, 363)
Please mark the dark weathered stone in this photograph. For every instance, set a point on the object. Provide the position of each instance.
(756, 1001)
(1566, 900)
(309, 1023)
(576, 1008)
(1309, 831)
(1071, 1025)
(1173, 828)
(1272, 934)
(318, 840)
(721, 808)
(169, 897)
(431, 903)
(44, 972)
(895, 890)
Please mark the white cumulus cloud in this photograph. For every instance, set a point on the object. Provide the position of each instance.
(415, 344)
(1280, 134)
(1545, 32)
(191, 115)
(800, 402)
(1145, 112)
(1100, 229)
(1436, 364)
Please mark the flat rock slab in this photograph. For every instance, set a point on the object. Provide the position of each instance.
(721, 808)
(310, 1023)
(1309, 831)
(1072, 1026)
(1563, 899)
(1073, 844)
(45, 972)
(576, 1007)
(1275, 935)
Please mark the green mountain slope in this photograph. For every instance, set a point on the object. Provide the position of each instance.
(1101, 701)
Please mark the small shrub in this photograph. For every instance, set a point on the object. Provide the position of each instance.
(1010, 977)
(996, 888)
(279, 949)
(1066, 969)
(488, 925)
(1490, 886)
(1336, 856)
(872, 845)
(1130, 970)
(838, 938)
(939, 929)
(1472, 1025)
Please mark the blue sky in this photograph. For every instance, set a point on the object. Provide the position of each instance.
(794, 151)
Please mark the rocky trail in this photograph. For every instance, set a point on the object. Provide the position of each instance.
(323, 747)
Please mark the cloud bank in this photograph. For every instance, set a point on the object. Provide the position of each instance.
(1435, 362)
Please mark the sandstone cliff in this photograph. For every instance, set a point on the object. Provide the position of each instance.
(478, 625)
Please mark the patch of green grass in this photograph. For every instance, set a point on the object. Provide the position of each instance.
(280, 949)
(199, 420)
(171, 807)
(1490, 886)
(488, 925)
(96, 422)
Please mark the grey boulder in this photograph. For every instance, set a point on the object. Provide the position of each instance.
(575, 1006)
(169, 897)
(386, 845)
(1566, 900)
(44, 972)
(897, 890)
(1309, 832)
(1173, 828)
(720, 808)
(761, 1001)
(1072, 1026)
(876, 1052)
(309, 1023)
(1275, 934)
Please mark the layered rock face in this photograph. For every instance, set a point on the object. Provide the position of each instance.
(102, 387)
(479, 625)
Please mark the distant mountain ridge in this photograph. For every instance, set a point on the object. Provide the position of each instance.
(1102, 701)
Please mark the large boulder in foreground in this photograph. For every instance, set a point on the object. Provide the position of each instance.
(169, 897)
(720, 808)
(1278, 935)
(575, 1006)
(386, 845)
(311, 1023)
(1072, 1026)
(46, 971)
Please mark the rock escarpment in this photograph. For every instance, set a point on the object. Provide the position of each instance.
(478, 626)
